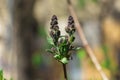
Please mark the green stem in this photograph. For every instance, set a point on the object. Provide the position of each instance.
(65, 71)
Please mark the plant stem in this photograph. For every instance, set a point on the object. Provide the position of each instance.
(65, 71)
(84, 41)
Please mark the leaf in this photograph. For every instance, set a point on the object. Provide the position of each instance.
(57, 57)
(64, 60)
(72, 38)
(49, 50)
(81, 54)
(50, 41)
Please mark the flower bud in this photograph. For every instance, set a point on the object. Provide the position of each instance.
(70, 18)
(58, 33)
(53, 49)
(54, 22)
(71, 47)
(54, 17)
(67, 29)
(61, 40)
(70, 29)
(52, 34)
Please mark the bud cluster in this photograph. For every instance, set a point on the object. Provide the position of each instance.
(55, 32)
(62, 44)
(70, 29)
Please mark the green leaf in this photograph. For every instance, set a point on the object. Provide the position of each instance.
(72, 38)
(81, 54)
(49, 50)
(64, 60)
(58, 57)
(50, 41)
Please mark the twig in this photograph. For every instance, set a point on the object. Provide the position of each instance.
(65, 71)
(84, 41)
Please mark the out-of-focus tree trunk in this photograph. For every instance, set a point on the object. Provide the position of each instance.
(25, 28)
(6, 44)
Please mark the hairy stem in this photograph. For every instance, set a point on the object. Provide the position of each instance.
(65, 71)
(84, 41)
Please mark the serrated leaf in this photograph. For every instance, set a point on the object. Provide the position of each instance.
(50, 41)
(64, 60)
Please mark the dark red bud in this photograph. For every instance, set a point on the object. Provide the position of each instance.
(54, 17)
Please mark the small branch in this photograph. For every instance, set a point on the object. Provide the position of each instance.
(85, 43)
(65, 71)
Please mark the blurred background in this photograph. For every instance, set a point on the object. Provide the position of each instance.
(24, 27)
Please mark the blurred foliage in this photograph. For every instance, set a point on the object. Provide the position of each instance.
(82, 3)
(106, 62)
(43, 34)
(36, 59)
(41, 31)
(50, 41)
(2, 76)
(81, 54)
(95, 1)
(105, 49)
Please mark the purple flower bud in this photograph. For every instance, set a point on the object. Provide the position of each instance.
(53, 49)
(54, 23)
(54, 17)
(67, 29)
(70, 18)
(52, 34)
